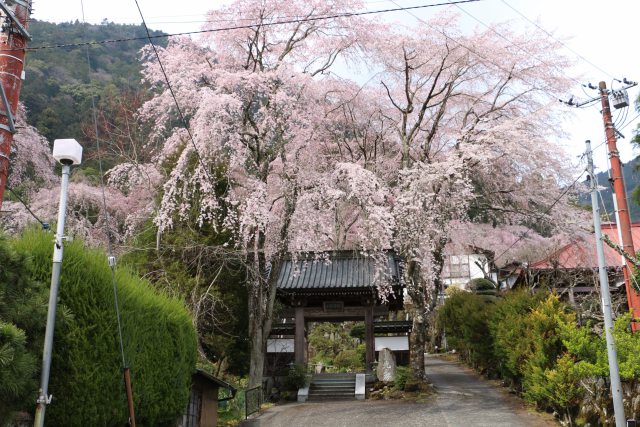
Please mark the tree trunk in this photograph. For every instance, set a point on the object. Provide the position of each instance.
(262, 293)
(256, 366)
(424, 299)
(418, 344)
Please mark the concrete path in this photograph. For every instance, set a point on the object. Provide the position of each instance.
(463, 400)
(466, 399)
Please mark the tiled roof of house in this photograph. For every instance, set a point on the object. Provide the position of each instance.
(582, 252)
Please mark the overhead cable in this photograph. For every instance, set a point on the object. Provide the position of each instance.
(173, 95)
(553, 37)
(240, 27)
(45, 225)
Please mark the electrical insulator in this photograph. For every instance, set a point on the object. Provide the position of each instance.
(619, 98)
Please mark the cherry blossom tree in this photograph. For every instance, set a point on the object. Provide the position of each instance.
(254, 100)
(474, 119)
(129, 197)
(453, 128)
(30, 160)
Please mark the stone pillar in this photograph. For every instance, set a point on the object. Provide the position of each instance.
(369, 337)
(298, 342)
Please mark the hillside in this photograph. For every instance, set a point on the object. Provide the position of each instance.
(632, 184)
(59, 84)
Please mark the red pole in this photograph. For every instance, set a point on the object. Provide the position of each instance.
(633, 297)
(13, 43)
(127, 385)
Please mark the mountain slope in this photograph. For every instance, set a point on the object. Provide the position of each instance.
(632, 182)
(59, 84)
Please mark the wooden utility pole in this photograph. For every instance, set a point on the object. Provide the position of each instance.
(13, 43)
(633, 297)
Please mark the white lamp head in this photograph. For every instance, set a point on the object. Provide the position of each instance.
(67, 151)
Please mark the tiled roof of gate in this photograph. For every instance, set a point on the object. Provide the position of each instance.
(332, 270)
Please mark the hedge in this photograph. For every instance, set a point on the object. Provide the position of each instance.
(86, 372)
(535, 345)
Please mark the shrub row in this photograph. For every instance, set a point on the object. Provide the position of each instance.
(532, 342)
(86, 377)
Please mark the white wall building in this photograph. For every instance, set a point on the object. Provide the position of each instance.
(459, 269)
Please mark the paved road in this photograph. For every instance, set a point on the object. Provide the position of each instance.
(463, 399)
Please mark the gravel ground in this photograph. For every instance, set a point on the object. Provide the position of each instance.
(463, 399)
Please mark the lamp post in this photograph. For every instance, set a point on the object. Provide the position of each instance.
(68, 152)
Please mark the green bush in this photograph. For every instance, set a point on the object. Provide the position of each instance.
(465, 317)
(296, 377)
(403, 373)
(23, 310)
(507, 327)
(349, 360)
(86, 376)
(481, 286)
(17, 369)
(548, 378)
(533, 342)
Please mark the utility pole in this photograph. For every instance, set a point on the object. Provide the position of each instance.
(13, 43)
(624, 225)
(614, 372)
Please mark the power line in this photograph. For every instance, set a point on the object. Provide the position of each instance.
(241, 27)
(513, 44)
(555, 202)
(45, 225)
(173, 95)
(622, 127)
(473, 51)
(554, 38)
(199, 20)
(111, 260)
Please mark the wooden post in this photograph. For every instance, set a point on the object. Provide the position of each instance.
(298, 342)
(369, 337)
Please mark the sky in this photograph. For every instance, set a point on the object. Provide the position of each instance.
(601, 41)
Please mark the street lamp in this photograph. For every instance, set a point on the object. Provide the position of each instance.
(68, 152)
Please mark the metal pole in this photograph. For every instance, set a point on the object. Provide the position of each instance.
(614, 373)
(44, 399)
(624, 224)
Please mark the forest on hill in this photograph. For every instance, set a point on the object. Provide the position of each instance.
(632, 185)
(59, 84)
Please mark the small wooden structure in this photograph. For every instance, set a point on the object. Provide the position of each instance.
(202, 410)
(335, 287)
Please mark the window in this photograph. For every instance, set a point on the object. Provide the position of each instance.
(456, 266)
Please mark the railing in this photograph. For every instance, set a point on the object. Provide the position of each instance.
(252, 400)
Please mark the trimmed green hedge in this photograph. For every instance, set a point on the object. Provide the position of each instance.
(86, 376)
(533, 343)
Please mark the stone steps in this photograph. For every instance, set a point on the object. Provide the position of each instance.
(332, 387)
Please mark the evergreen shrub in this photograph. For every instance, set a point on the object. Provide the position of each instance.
(86, 373)
(23, 311)
(465, 317)
(535, 345)
(296, 377)
(403, 374)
